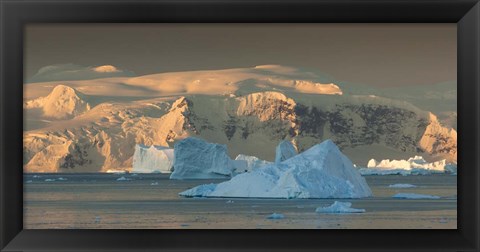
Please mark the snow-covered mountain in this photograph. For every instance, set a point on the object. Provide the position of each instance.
(250, 110)
(62, 103)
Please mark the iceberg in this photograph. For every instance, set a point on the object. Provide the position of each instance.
(320, 172)
(451, 168)
(414, 196)
(150, 159)
(276, 216)
(402, 186)
(123, 179)
(284, 151)
(197, 159)
(413, 166)
(250, 163)
(339, 207)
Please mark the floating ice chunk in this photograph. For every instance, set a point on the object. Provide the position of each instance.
(49, 180)
(62, 179)
(150, 159)
(284, 151)
(154, 183)
(276, 216)
(320, 172)
(339, 207)
(230, 201)
(414, 196)
(123, 179)
(451, 168)
(402, 186)
(36, 176)
(197, 159)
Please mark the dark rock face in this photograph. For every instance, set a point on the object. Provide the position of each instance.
(396, 127)
(77, 157)
(311, 121)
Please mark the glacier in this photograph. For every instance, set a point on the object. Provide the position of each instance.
(195, 158)
(284, 151)
(319, 172)
(416, 165)
(152, 159)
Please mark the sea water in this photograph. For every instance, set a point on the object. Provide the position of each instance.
(151, 201)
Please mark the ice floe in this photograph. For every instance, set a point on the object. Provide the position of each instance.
(339, 207)
(276, 216)
(414, 196)
(402, 186)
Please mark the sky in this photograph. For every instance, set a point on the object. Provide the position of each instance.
(379, 55)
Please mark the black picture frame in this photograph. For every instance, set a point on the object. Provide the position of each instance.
(15, 14)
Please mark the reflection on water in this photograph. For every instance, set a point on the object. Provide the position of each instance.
(151, 201)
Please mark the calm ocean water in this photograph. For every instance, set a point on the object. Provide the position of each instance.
(151, 201)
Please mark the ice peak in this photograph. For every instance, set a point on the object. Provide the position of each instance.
(179, 103)
(62, 90)
(106, 69)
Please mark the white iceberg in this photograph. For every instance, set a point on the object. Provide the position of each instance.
(414, 196)
(197, 159)
(320, 172)
(339, 207)
(152, 159)
(250, 163)
(123, 179)
(276, 216)
(284, 151)
(451, 168)
(413, 166)
(402, 186)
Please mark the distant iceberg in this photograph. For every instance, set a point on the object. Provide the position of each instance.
(276, 216)
(197, 159)
(413, 166)
(414, 196)
(339, 207)
(320, 172)
(402, 186)
(150, 159)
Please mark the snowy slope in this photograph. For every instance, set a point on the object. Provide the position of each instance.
(250, 110)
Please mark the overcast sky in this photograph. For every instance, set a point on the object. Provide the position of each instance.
(380, 55)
